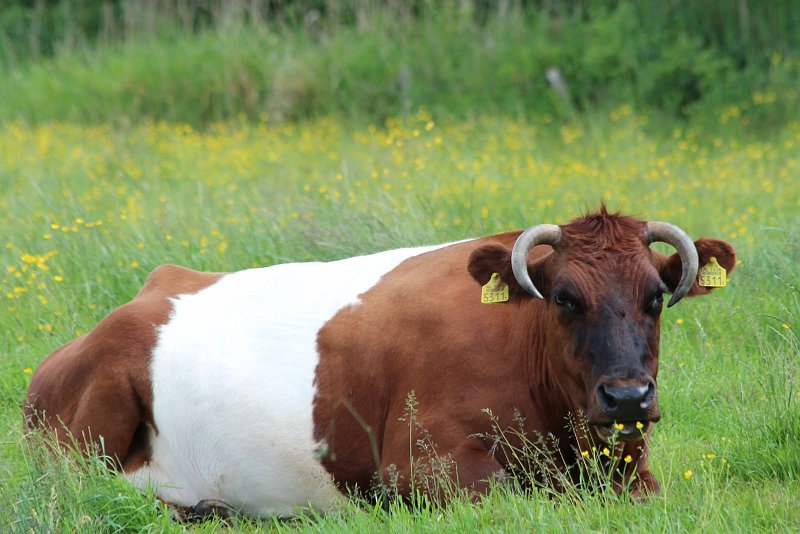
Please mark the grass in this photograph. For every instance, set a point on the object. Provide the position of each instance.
(88, 211)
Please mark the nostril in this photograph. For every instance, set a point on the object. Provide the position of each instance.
(607, 400)
(649, 393)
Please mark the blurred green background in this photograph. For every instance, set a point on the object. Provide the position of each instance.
(196, 61)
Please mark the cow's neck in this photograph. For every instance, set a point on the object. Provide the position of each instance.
(552, 391)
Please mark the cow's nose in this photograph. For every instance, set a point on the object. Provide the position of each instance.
(626, 402)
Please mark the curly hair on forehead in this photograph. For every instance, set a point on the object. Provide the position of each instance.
(604, 231)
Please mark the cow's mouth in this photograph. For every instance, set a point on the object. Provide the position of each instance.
(625, 431)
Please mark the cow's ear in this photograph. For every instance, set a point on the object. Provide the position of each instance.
(669, 267)
(489, 259)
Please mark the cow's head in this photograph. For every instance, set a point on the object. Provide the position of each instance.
(602, 286)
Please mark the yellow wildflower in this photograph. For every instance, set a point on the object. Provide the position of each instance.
(628, 459)
(687, 474)
(585, 453)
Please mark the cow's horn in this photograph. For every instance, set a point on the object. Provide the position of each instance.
(541, 234)
(672, 235)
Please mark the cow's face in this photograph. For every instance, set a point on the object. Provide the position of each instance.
(605, 310)
(603, 290)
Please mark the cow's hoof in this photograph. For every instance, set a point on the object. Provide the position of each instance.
(208, 509)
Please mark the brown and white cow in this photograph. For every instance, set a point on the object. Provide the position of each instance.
(281, 388)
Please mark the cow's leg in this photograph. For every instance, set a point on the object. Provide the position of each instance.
(208, 509)
(477, 468)
(644, 484)
(106, 416)
(636, 475)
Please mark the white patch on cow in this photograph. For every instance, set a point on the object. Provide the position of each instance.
(232, 375)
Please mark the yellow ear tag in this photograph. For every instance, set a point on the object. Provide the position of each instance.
(494, 291)
(712, 274)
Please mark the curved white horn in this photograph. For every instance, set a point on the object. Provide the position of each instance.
(541, 234)
(672, 235)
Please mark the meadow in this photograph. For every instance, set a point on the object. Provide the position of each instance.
(88, 211)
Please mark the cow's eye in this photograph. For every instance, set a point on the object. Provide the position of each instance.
(654, 306)
(566, 301)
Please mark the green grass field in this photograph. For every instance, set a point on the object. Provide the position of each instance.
(87, 212)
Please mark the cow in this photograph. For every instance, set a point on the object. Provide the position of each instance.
(284, 388)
